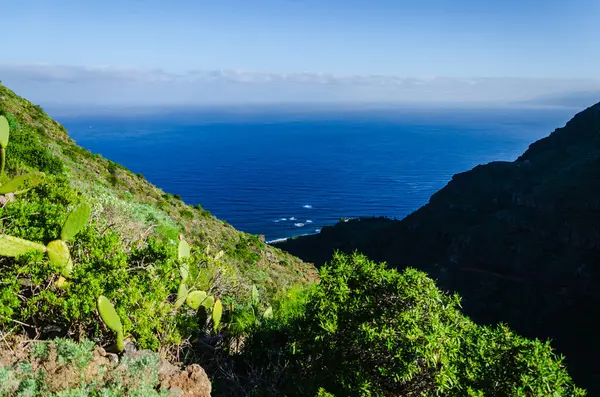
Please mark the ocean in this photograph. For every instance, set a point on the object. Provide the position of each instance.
(284, 173)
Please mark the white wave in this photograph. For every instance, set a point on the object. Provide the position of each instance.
(317, 230)
(277, 240)
(298, 224)
(293, 218)
(308, 221)
(283, 219)
(308, 206)
(276, 221)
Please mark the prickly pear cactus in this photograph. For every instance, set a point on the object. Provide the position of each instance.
(76, 221)
(195, 299)
(59, 254)
(22, 183)
(111, 319)
(217, 312)
(14, 246)
(208, 302)
(183, 251)
(4, 134)
(255, 296)
(184, 272)
(182, 294)
(268, 313)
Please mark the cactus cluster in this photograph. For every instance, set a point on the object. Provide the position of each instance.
(255, 306)
(195, 299)
(57, 250)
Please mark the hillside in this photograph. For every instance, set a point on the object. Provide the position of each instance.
(136, 209)
(111, 287)
(519, 241)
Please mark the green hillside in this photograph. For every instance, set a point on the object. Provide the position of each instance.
(103, 276)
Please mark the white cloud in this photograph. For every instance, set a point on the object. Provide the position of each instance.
(69, 85)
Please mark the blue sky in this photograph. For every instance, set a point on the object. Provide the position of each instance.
(509, 39)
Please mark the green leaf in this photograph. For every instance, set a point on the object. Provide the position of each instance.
(14, 246)
(22, 183)
(76, 221)
(4, 131)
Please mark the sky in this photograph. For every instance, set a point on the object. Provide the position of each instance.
(225, 51)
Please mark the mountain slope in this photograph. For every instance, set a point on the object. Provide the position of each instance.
(519, 241)
(137, 209)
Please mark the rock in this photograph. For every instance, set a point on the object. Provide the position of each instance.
(192, 382)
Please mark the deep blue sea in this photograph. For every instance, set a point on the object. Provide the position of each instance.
(284, 175)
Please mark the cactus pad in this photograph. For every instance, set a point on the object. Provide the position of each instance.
(268, 313)
(76, 221)
(62, 282)
(4, 131)
(182, 294)
(217, 313)
(184, 272)
(195, 299)
(14, 246)
(183, 251)
(22, 183)
(109, 314)
(58, 253)
(208, 302)
(111, 319)
(255, 296)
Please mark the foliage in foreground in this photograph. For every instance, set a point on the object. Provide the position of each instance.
(372, 331)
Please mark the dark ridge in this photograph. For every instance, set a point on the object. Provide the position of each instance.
(519, 241)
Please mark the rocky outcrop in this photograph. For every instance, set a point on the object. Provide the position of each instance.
(519, 241)
(62, 366)
(190, 381)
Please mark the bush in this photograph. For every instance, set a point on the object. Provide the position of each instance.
(141, 281)
(372, 331)
(27, 151)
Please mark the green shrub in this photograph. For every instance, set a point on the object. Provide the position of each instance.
(27, 151)
(371, 331)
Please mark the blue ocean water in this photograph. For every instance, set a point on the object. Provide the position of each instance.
(283, 175)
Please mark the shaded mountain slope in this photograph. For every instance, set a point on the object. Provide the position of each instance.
(519, 241)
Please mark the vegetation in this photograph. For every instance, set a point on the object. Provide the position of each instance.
(372, 331)
(90, 252)
(517, 240)
(64, 368)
